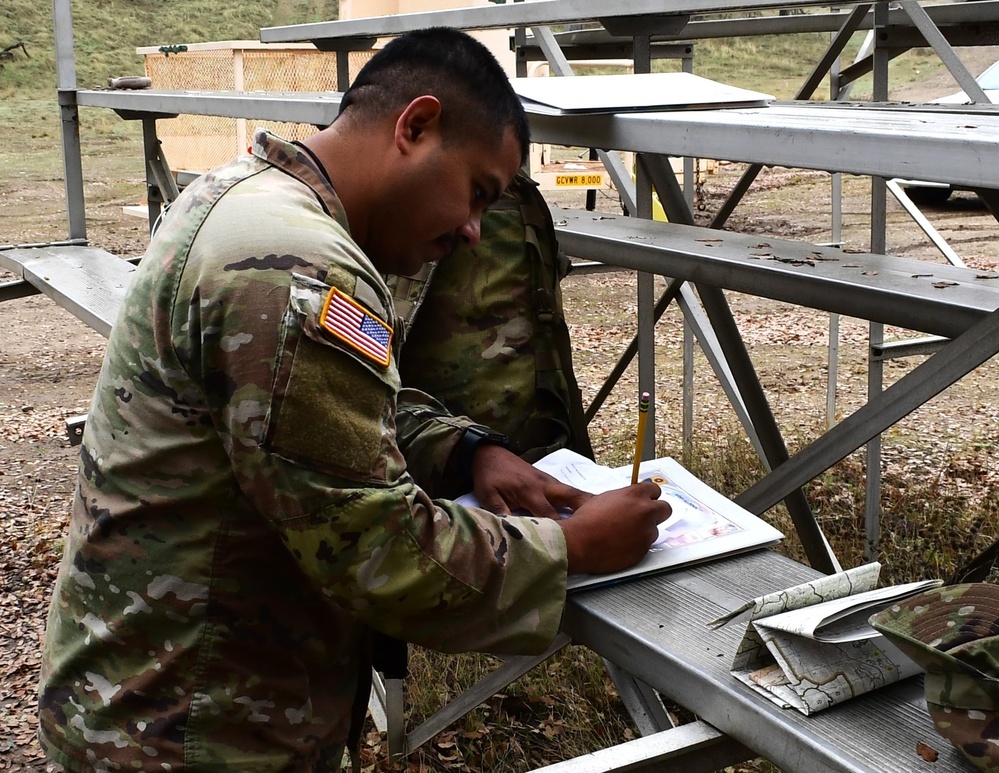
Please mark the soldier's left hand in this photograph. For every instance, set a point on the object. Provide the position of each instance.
(503, 482)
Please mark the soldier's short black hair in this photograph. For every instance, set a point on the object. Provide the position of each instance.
(446, 63)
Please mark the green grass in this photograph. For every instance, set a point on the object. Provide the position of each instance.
(107, 32)
(32, 194)
(29, 131)
(789, 60)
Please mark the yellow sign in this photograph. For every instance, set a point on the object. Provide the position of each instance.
(579, 180)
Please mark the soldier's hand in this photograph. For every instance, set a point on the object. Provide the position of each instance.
(503, 482)
(614, 531)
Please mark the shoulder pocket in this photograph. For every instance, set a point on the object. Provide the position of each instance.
(332, 405)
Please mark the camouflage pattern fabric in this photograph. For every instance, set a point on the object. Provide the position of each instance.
(244, 515)
(953, 633)
(487, 334)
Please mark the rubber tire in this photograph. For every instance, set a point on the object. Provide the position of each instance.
(927, 195)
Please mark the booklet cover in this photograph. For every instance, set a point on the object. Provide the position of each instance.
(628, 93)
(704, 524)
(811, 646)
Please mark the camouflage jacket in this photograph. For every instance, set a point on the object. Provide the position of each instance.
(244, 514)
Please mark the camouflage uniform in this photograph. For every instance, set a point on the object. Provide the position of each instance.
(244, 514)
(953, 633)
(487, 335)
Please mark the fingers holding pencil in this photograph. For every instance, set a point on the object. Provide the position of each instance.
(614, 530)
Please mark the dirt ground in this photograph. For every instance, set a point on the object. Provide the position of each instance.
(49, 363)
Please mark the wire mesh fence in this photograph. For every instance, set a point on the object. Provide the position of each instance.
(198, 143)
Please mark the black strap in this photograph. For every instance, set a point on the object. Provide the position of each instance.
(979, 567)
(359, 708)
(389, 656)
(320, 167)
(577, 418)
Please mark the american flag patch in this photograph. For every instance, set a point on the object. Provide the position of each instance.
(357, 327)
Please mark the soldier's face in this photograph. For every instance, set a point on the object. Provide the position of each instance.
(440, 200)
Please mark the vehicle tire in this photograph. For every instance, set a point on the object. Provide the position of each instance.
(927, 195)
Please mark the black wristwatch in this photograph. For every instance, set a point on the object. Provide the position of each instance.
(475, 435)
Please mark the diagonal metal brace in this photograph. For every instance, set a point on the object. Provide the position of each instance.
(962, 355)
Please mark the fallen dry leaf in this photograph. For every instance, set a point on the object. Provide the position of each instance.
(927, 752)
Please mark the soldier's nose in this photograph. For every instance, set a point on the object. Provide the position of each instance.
(471, 231)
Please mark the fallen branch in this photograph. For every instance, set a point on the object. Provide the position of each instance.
(7, 54)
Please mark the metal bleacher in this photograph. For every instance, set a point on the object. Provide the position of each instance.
(654, 629)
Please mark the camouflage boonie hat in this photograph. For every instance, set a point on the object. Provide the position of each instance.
(953, 633)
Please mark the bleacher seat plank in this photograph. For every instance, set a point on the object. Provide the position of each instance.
(657, 628)
(919, 295)
(89, 282)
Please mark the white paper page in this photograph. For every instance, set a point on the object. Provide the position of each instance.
(578, 471)
(695, 519)
(644, 91)
(572, 469)
(690, 521)
(704, 524)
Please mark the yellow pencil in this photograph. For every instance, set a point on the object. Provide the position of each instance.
(643, 418)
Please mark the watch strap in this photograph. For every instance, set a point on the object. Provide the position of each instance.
(471, 439)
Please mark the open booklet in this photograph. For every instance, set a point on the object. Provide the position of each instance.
(811, 646)
(704, 525)
(630, 93)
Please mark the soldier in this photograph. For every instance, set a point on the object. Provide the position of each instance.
(245, 514)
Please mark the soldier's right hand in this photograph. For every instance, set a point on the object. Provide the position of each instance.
(614, 531)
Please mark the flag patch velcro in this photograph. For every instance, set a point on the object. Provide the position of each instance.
(357, 327)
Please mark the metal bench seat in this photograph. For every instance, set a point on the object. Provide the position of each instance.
(87, 281)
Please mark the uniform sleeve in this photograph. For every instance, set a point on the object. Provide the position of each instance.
(309, 420)
(427, 435)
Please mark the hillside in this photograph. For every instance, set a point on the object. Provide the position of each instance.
(107, 33)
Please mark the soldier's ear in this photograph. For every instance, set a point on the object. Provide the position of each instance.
(419, 120)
